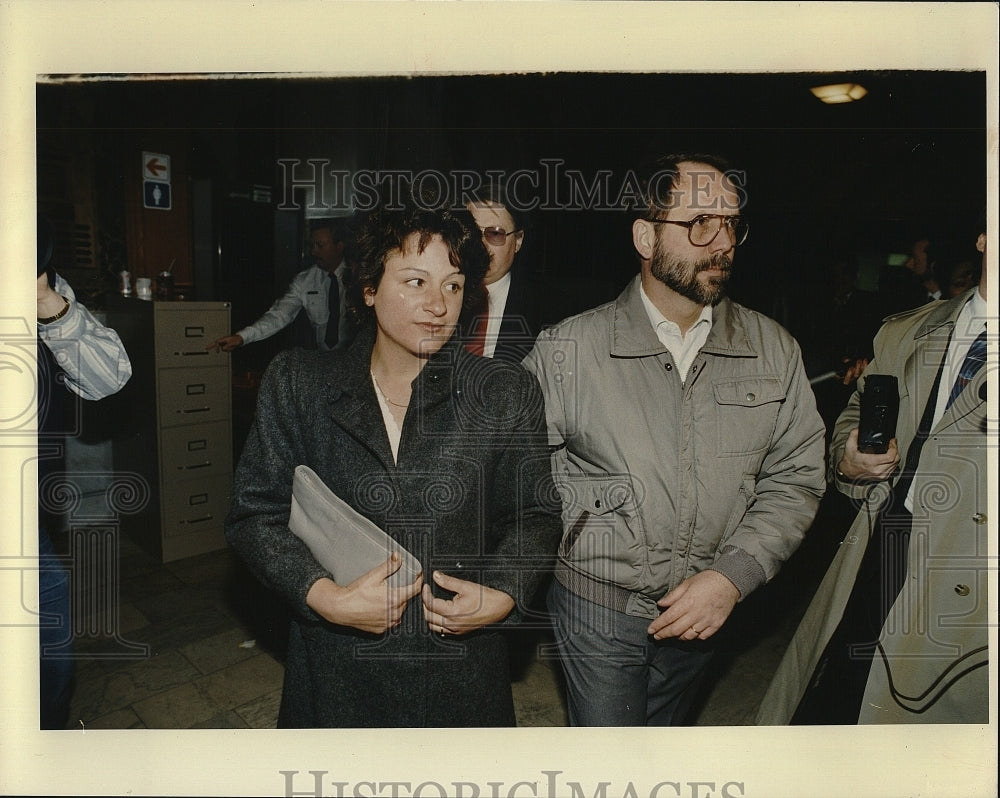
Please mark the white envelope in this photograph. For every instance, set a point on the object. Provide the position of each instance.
(342, 540)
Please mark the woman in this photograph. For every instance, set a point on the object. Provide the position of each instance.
(444, 451)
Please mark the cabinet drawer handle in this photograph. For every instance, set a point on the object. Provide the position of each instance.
(195, 410)
(206, 464)
(192, 354)
(199, 520)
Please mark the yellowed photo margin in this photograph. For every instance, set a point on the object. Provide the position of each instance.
(175, 36)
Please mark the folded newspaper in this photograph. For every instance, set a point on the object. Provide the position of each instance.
(342, 540)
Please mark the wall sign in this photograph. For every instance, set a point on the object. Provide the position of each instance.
(156, 181)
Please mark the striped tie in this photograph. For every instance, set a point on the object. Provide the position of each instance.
(972, 363)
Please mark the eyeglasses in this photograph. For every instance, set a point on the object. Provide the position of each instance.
(497, 236)
(703, 229)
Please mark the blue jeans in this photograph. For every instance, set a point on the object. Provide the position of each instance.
(616, 673)
(55, 635)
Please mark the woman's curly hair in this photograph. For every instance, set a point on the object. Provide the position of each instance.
(386, 229)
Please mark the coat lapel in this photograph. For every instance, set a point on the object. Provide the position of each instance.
(354, 407)
(932, 341)
(351, 400)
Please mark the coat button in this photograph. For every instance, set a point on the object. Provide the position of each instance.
(963, 590)
(597, 504)
(979, 518)
(668, 367)
(751, 397)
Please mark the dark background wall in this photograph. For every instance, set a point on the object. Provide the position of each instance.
(864, 178)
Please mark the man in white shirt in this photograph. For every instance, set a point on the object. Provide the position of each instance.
(309, 291)
(507, 327)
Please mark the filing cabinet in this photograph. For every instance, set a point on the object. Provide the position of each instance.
(173, 449)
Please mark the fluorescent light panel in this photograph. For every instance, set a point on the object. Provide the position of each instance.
(839, 92)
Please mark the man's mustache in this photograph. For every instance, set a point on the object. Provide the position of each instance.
(721, 262)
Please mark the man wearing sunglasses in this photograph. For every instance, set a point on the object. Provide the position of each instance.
(688, 453)
(506, 324)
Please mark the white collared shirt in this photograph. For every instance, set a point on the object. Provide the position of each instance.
(498, 293)
(971, 321)
(682, 347)
(309, 290)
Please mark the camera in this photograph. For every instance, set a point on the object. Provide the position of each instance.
(879, 411)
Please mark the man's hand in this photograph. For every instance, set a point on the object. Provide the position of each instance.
(697, 608)
(368, 603)
(225, 344)
(855, 465)
(473, 606)
(853, 369)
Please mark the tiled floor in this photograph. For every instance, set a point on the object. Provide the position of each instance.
(214, 643)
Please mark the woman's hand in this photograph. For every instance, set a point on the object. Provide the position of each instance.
(368, 603)
(472, 607)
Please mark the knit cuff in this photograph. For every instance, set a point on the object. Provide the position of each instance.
(741, 569)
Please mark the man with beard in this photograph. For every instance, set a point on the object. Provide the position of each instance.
(687, 450)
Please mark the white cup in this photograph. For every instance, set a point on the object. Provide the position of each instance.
(144, 288)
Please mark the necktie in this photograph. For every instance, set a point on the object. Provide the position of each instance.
(477, 343)
(333, 325)
(973, 362)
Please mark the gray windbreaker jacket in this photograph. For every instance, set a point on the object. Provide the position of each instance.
(661, 479)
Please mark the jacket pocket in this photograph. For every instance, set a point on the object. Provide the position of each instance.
(746, 413)
(745, 499)
(317, 308)
(603, 530)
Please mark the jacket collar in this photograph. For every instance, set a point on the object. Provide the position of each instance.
(943, 313)
(631, 334)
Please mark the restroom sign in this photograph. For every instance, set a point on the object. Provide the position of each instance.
(156, 181)
(156, 195)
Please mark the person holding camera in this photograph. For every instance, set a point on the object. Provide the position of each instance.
(78, 358)
(897, 630)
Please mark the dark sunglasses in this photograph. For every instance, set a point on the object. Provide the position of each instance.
(497, 236)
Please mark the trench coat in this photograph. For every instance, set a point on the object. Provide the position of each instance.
(470, 494)
(931, 666)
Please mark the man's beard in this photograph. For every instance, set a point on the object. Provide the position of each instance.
(682, 276)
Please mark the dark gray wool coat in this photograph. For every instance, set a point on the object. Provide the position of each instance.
(471, 495)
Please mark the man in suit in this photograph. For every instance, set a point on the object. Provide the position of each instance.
(897, 631)
(506, 324)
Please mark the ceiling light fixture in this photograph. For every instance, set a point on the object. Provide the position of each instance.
(839, 92)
